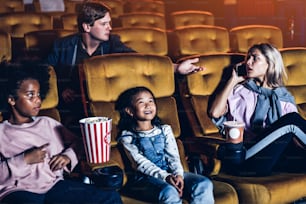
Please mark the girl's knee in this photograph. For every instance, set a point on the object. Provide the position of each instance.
(169, 195)
(205, 185)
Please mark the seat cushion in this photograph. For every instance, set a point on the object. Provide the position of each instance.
(277, 188)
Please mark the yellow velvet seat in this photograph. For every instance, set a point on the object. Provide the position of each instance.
(146, 19)
(201, 39)
(196, 92)
(11, 6)
(192, 17)
(69, 21)
(144, 39)
(243, 37)
(17, 24)
(49, 104)
(295, 61)
(109, 75)
(39, 43)
(145, 5)
(6, 46)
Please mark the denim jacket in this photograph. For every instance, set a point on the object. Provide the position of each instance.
(154, 152)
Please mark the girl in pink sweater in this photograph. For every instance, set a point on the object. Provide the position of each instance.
(35, 151)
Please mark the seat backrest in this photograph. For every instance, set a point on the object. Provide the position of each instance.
(145, 5)
(144, 39)
(146, 19)
(192, 17)
(243, 37)
(295, 61)
(6, 46)
(72, 6)
(11, 6)
(39, 43)
(202, 39)
(17, 24)
(200, 88)
(49, 104)
(106, 77)
(116, 7)
(69, 21)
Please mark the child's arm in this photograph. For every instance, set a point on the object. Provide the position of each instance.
(140, 162)
(72, 151)
(172, 153)
(19, 165)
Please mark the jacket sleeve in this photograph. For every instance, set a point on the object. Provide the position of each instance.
(172, 153)
(140, 162)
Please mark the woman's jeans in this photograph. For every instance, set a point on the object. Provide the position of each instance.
(65, 191)
(261, 157)
(198, 189)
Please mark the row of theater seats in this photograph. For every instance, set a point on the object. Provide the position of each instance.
(37, 39)
(118, 7)
(112, 74)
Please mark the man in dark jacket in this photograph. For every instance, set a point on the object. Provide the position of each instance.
(94, 38)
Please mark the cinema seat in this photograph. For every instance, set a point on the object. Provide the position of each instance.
(192, 17)
(104, 77)
(243, 37)
(144, 40)
(279, 187)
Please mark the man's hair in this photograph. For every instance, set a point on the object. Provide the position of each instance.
(89, 12)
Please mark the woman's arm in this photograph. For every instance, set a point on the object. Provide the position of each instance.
(219, 105)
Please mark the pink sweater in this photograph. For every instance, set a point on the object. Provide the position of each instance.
(242, 103)
(15, 174)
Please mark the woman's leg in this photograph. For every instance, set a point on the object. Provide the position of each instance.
(261, 157)
(153, 190)
(289, 124)
(198, 189)
(67, 191)
(23, 197)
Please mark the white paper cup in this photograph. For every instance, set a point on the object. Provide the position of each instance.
(96, 132)
(234, 131)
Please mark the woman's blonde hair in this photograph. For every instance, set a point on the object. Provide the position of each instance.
(276, 70)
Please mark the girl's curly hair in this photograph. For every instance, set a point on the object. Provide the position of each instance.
(13, 74)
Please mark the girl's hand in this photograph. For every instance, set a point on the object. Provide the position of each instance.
(36, 154)
(58, 162)
(176, 181)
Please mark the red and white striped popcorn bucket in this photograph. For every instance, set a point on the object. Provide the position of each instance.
(96, 132)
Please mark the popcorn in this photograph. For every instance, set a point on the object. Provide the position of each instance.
(96, 132)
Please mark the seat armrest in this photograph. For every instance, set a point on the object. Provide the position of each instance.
(206, 147)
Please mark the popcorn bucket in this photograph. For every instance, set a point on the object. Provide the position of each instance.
(96, 132)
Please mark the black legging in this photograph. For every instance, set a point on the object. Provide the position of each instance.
(265, 153)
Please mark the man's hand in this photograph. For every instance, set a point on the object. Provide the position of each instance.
(187, 66)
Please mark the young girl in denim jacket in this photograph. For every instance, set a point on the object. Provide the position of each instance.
(151, 147)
